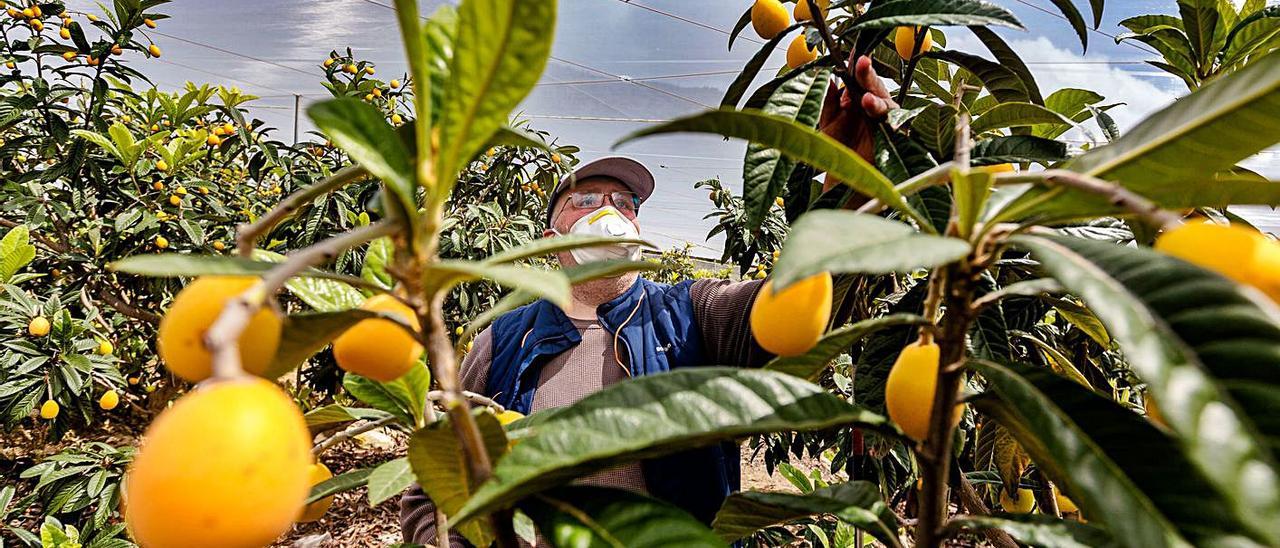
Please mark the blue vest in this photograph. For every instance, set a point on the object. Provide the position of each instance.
(657, 331)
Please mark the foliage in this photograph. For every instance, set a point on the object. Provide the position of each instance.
(1207, 39)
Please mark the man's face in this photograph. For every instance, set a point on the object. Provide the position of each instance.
(564, 215)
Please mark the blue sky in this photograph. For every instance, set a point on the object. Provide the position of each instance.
(273, 49)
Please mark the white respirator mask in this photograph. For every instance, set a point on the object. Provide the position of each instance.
(609, 222)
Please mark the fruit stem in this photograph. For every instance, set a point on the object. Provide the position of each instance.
(247, 234)
(223, 337)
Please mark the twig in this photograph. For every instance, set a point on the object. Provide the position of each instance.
(909, 74)
(439, 395)
(247, 234)
(937, 280)
(223, 336)
(349, 433)
(1115, 194)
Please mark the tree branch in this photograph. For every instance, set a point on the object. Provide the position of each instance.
(349, 433)
(223, 336)
(1115, 194)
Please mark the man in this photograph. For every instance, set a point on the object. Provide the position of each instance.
(540, 357)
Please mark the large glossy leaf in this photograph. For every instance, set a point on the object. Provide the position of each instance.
(1073, 16)
(857, 503)
(1002, 82)
(766, 170)
(1017, 149)
(1200, 22)
(656, 415)
(1011, 60)
(306, 334)
(934, 13)
(322, 294)
(585, 516)
(403, 397)
(1100, 454)
(799, 142)
(388, 480)
(1204, 133)
(812, 363)
(881, 246)
(1208, 349)
(1250, 33)
(1007, 115)
(339, 483)
(362, 131)
(500, 51)
(1038, 531)
(333, 414)
(437, 460)
(935, 128)
(548, 284)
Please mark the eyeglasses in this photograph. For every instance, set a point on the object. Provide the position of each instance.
(626, 201)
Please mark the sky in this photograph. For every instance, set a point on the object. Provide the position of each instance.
(600, 84)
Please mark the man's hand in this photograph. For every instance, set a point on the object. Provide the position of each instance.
(852, 121)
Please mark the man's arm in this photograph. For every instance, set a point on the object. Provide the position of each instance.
(417, 512)
(722, 310)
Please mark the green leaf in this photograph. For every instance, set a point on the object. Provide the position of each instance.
(1101, 455)
(881, 247)
(1010, 59)
(499, 53)
(173, 265)
(971, 190)
(389, 397)
(436, 457)
(339, 484)
(546, 246)
(935, 128)
(857, 503)
(1250, 33)
(582, 516)
(550, 285)
(1185, 331)
(1200, 22)
(1002, 82)
(1006, 115)
(766, 170)
(389, 479)
(306, 334)
(655, 415)
(363, 132)
(1073, 16)
(337, 414)
(935, 13)
(751, 69)
(1038, 531)
(838, 341)
(324, 295)
(376, 259)
(799, 142)
(1226, 121)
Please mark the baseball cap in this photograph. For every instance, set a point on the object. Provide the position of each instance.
(629, 172)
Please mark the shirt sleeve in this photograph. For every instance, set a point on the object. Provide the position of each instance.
(417, 512)
(722, 309)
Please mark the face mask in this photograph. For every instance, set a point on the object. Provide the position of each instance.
(608, 222)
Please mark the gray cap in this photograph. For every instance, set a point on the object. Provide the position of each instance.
(629, 172)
